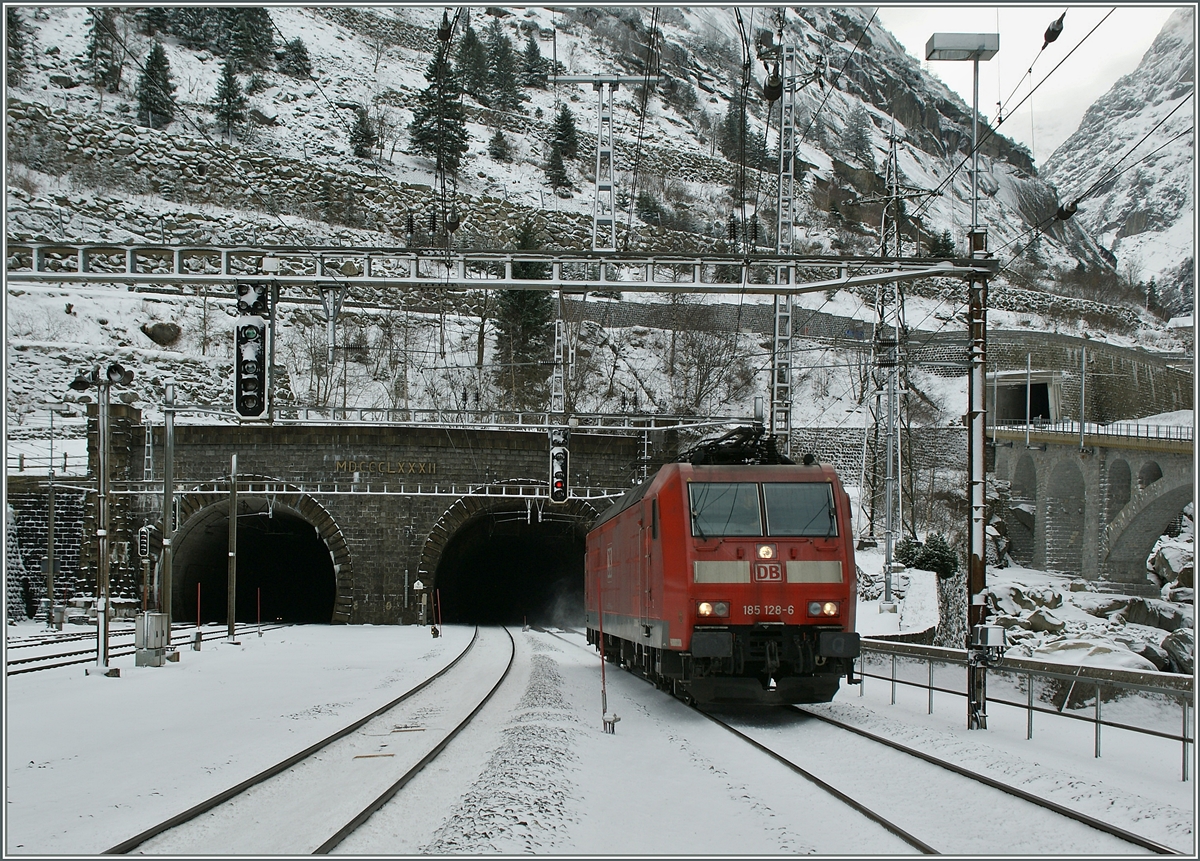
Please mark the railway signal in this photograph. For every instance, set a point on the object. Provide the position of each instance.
(559, 465)
(250, 368)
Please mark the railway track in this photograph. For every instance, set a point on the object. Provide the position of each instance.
(1090, 821)
(881, 788)
(296, 805)
(34, 663)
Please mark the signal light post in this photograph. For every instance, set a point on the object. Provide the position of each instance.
(250, 358)
(102, 382)
(559, 465)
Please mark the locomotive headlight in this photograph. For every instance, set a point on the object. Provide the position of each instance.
(823, 608)
(765, 551)
(712, 608)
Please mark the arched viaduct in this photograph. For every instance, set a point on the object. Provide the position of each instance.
(1094, 511)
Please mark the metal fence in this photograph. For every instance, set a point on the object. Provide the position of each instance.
(1056, 681)
(1126, 430)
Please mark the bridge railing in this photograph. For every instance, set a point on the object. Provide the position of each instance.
(1127, 430)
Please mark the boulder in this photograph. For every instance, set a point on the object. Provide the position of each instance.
(1179, 594)
(1173, 562)
(163, 334)
(263, 119)
(1008, 599)
(1152, 652)
(1156, 614)
(1102, 606)
(1180, 645)
(1042, 619)
(1070, 651)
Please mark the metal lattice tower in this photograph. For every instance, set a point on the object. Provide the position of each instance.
(781, 375)
(148, 463)
(604, 211)
(558, 395)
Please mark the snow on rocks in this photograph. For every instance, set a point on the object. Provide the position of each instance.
(1047, 617)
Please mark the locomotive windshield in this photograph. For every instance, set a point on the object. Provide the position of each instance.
(724, 508)
(730, 509)
(801, 509)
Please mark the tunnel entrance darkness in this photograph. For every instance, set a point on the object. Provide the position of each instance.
(501, 569)
(280, 557)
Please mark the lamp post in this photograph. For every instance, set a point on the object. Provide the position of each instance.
(102, 382)
(973, 47)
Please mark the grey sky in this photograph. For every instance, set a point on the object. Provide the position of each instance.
(1055, 109)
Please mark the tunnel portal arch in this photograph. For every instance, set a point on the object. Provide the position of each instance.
(291, 555)
(498, 560)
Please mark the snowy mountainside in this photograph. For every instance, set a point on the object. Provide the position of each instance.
(105, 177)
(1144, 215)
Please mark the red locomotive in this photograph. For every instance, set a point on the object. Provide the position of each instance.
(729, 578)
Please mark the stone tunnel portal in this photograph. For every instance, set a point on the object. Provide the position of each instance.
(509, 567)
(281, 558)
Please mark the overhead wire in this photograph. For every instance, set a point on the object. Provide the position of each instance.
(833, 82)
(988, 132)
(652, 59)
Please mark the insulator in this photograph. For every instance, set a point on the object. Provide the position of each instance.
(1054, 30)
(1065, 212)
(432, 223)
(773, 88)
(410, 225)
(733, 229)
(754, 231)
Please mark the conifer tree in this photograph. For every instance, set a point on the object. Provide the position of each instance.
(194, 26)
(155, 99)
(524, 332)
(498, 147)
(250, 37)
(152, 20)
(565, 139)
(439, 125)
(472, 61)
(556, 171)
(732, 133)
(506, 95)
(16, 46)
(295, 60)
(941, 246)
(533, 65)
(362, 136)
(230, 103)
(104, 57)
(858, 136)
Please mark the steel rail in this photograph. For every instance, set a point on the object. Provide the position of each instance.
(910, 839)
(124, 652)
(221, 797)
(1100, 825)
(388, 794)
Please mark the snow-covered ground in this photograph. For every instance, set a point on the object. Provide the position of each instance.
(91, 761)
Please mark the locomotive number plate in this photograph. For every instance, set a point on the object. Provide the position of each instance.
(768, 572)
(769, 609)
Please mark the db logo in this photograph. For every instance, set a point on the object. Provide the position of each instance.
(770, 572)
